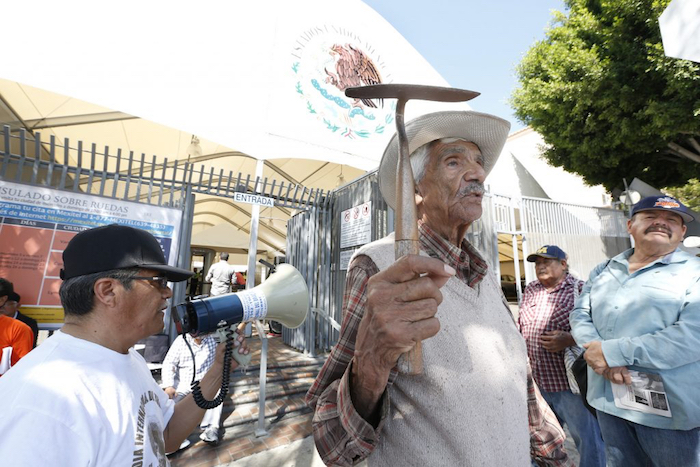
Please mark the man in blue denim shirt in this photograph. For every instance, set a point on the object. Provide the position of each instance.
(641, 311)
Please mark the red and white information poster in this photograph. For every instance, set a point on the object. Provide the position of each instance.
(36, 224)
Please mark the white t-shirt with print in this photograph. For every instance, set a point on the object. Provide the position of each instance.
(75, 403)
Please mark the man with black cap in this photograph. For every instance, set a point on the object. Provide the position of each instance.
(544, 323)
(11, 309)
(475, 402)
(639, 313)
(86, 390)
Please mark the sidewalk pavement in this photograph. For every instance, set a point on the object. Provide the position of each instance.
(300, 453)
(288, 419)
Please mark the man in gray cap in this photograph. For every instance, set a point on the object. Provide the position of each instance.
(86, 389)
(639, 319)
(475, 402)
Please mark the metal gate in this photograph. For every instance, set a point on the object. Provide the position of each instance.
(163, 183)
(589, 235)
(313, 246)
(75, 168)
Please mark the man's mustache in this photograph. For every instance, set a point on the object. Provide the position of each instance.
(472, 188)
(658, 228)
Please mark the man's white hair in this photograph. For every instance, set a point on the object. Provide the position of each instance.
(419, 157)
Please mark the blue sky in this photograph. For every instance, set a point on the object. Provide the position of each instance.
(473, 44)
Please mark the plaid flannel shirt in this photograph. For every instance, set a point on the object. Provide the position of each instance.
(177, 365)
(542, 311)
(342, 436)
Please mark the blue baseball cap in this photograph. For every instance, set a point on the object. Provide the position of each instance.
(666, 203)
(548, 251)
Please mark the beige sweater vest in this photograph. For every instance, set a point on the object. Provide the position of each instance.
(469, 407)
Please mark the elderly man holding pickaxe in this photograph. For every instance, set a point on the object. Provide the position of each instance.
(474, 402)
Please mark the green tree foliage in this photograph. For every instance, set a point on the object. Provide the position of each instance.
(689, 194)
(608, 102)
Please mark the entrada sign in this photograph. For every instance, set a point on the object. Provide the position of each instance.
(254, 199)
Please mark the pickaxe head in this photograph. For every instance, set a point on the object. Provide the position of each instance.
(404, 92)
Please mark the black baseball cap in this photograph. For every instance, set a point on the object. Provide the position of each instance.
(13, 297)
(116, 247)
(548, 251)
(666, 203)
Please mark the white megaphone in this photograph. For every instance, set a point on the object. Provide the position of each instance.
(283, 297)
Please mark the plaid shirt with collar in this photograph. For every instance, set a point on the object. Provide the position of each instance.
(342, 436)
(542, 311)
(177, 365)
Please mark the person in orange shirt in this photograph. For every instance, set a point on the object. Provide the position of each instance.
(16, 338)
(11, 309)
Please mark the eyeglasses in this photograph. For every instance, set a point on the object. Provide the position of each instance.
(159, 281)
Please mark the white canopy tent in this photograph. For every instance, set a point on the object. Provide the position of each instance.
(521, 171)
(51, 114)
(254, 81)
(253, 76)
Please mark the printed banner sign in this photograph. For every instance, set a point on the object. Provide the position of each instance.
(36, 224)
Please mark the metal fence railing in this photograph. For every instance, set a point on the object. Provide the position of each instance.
(115, 174)
(27, 159)
(589, 235)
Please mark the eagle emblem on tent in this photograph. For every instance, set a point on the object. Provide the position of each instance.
(352, 68)
(325, 63)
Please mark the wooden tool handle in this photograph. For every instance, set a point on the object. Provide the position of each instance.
(406, 240)
(410, 363)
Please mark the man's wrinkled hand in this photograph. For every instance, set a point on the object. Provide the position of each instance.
(401, 305)
(594, 357)
(618, 375)
(240, 345)
(400, 311)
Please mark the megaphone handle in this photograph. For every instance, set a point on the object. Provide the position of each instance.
(242, 359)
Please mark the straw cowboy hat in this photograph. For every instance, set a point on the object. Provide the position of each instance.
(488, 132)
